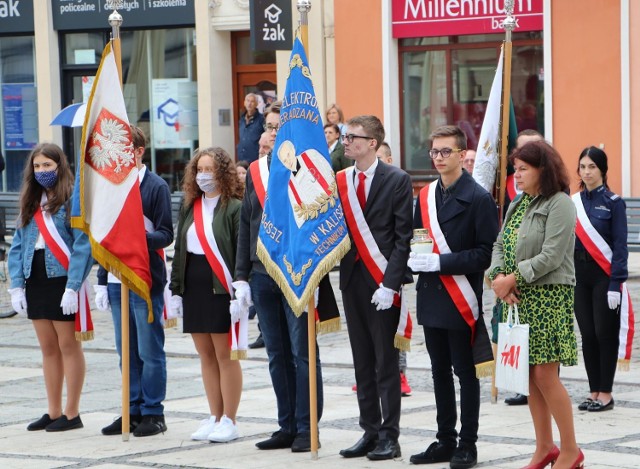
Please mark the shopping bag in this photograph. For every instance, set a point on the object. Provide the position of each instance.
(512, 362)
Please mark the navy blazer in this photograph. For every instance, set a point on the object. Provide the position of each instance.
(388, 214)
(469, 222)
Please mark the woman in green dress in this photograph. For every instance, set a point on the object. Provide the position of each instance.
(532, 266)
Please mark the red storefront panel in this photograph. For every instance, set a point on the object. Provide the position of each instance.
(422, 18)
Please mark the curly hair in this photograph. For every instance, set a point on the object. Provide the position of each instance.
(554, 176)
(225, 175)
(31, 192)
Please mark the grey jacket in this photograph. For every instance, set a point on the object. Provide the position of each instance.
(546, 238)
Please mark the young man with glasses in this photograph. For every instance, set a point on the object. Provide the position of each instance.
(377, 200)
(463, 221)
(285, 336)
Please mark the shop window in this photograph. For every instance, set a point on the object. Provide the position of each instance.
(447, 81)
(83, 48)
(18, 107)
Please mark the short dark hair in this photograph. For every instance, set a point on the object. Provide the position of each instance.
(371, 126)
(451, 131)
(138, 137)
(599, 157)
(333, 126)
(554, 177)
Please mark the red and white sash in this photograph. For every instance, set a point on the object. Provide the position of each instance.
(457, 286)
(204, 232)
(260, 176)
(598, 248)
(368, 250)
(60, 250)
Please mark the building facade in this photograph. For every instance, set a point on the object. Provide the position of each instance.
(187, 65)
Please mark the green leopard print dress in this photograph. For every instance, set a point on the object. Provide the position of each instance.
(548, 309)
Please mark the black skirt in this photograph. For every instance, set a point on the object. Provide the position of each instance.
(44, 294)
(204, 311)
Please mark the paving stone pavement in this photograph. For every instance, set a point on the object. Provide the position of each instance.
(609, 439)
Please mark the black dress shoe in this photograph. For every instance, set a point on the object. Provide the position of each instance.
(302, 443)
(115, 427)
(465, 456)
(63, 424)
(278, 440)
(385, 449)
(41, 423)
(584, 405)
(360, 449)
(598, 406)
(259, 343)
(518, 399)
(436, 452)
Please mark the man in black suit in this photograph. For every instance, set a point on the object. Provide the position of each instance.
(463, 221)
(377, 200)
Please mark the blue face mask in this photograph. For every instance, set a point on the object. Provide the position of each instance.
(46, 179)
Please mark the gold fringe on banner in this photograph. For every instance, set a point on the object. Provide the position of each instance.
(485, 370)
(328, 326)
(169, 323)
(84, 336)
(402, 343)
(623, 364)
(298, 305)
(238, 355)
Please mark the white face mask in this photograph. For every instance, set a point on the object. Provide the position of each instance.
(205, 182)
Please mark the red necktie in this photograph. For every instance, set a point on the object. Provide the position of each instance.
(360, 190)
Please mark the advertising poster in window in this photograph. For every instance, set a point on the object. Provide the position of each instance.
(165, 113)
(20, 116)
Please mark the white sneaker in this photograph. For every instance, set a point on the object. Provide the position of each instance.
(225, 431)
(206, 427)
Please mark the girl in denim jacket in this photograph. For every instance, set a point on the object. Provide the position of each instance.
(42, 289)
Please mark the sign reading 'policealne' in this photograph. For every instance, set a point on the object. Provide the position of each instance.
(94, 14)
(429, 18)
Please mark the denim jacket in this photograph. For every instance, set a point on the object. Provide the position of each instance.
(22, 249)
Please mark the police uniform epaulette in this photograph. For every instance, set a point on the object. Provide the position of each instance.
(612, 195)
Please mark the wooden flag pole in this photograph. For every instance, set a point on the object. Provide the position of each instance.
(303, 8)
(115, 20)
(501, 180)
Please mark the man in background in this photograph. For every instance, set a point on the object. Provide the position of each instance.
(250, 128)
(469, 161)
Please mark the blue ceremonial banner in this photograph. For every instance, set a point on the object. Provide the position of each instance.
(303, 233)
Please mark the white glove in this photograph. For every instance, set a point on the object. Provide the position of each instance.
(18, 301)
(235, 311)
(243, 293)
(424, 262)
(613, 298)
(316, 296)
(69, 302)
(102, 298)
(175, 306)
(383, 298)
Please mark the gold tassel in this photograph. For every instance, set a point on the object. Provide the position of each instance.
(330, 325)
(84, 336)
(623, 364)
(484, 370)
(238, 354)
(402, 343)
(325, 266)
(169, 323)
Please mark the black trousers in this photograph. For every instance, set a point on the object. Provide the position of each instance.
(375, 359)
(452, 349)
(599, 325)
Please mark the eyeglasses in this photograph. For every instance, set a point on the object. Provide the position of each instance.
(445, 152)
(349, 137)
(271, 127)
